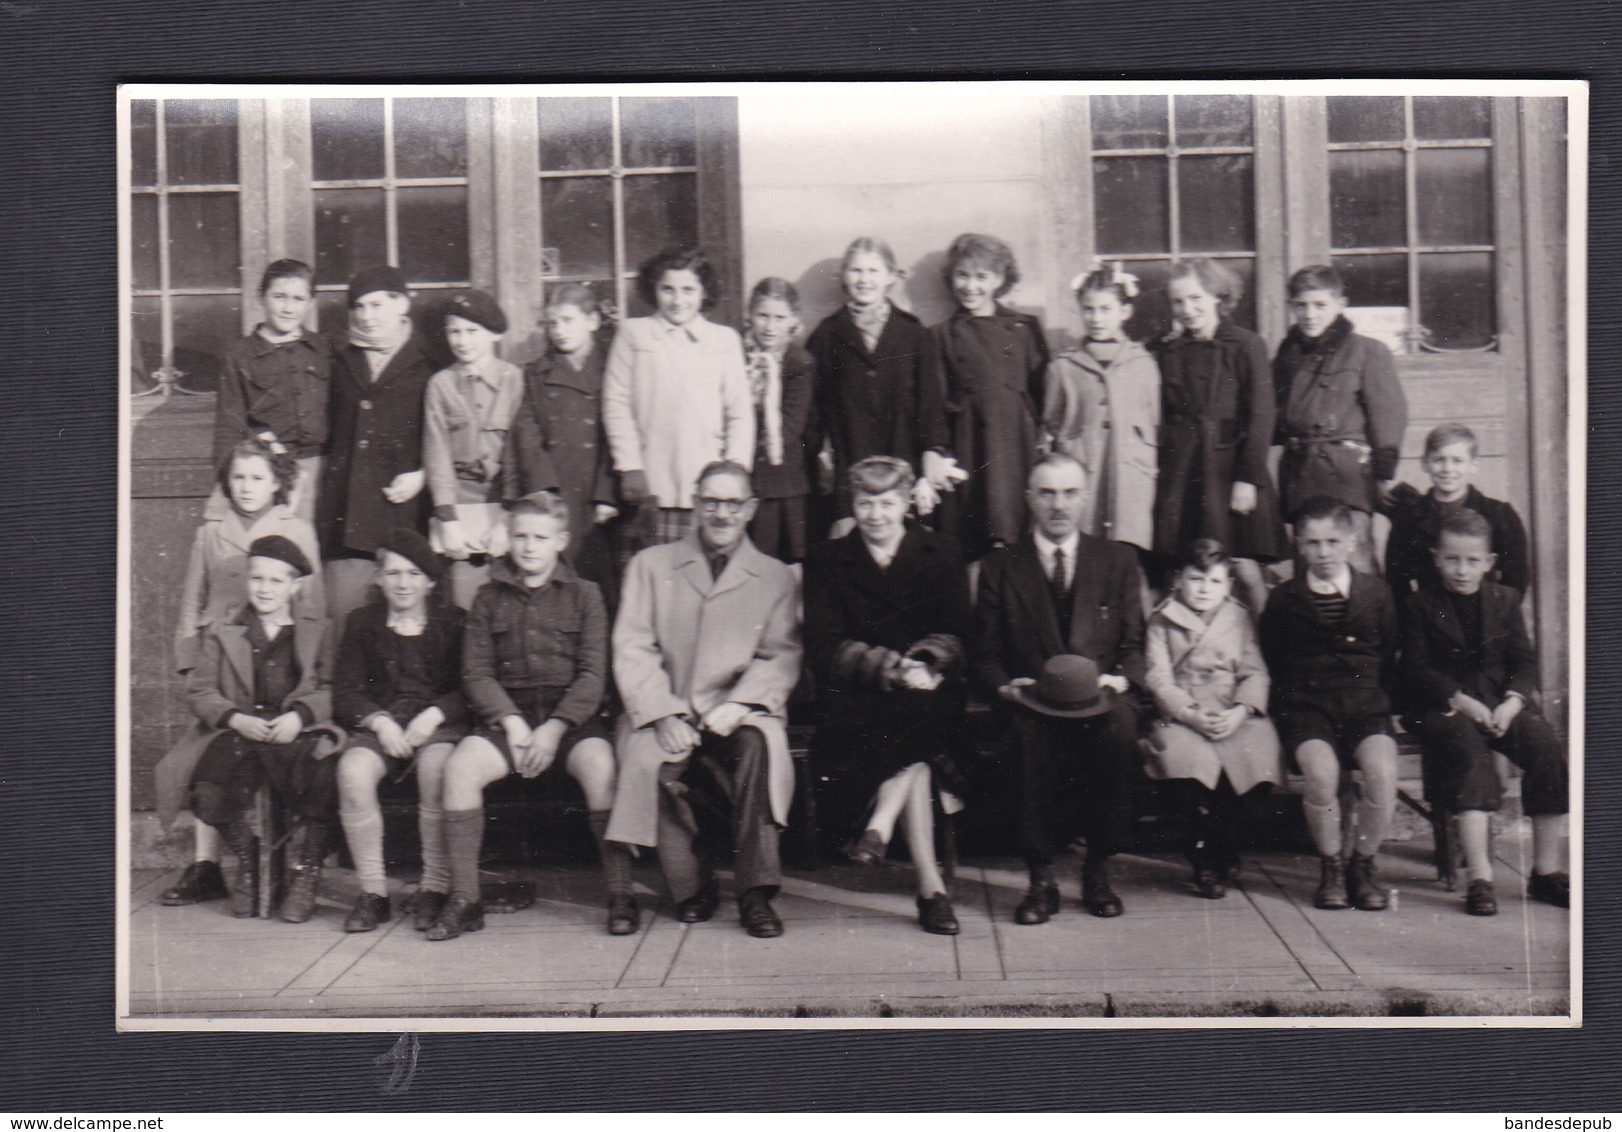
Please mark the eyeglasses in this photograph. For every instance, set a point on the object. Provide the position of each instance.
(710, 505)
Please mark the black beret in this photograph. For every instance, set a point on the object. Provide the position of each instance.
(413, 547)
(381, 278)
(480, 307)
(283, 550)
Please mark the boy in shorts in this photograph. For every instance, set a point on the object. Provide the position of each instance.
(535, 669)
(1330, 639)
(1470, 672)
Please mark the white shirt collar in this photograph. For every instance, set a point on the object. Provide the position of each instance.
(1047, 546)
(1340, 584)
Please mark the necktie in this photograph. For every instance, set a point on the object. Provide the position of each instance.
(1059, 584)
(718, 563)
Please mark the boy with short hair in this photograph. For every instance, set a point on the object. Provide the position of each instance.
(1330, 639)
(1450, 459)
(1469, 671)
(260, 691)
(535, 669)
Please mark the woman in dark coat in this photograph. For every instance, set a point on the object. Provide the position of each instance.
(886, 615)
(1216, 424)
(996, 361)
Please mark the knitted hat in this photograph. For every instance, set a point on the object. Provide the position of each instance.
(283, 550)
(381, 278)
(480, 307)
(414, 548)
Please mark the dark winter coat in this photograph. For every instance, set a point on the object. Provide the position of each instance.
(281, 389)
(366, 676)
(1313, 663)
(557, 440)
(1436, 663)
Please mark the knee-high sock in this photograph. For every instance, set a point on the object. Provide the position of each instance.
(1323, 822)
(205, 842)
(1373, 823)
(464, 833)
(363, 829)
(1474, 835)
(616, 861)
(436, 872)
(1549, 843)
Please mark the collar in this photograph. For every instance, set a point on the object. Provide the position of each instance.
(1340, 584)
(407, 625)
(502, 571)
(264, 343)
(724, 555)
(247, 617)
(878, 312)
(1046, 546)
(482, 370)
(670, 329)
(753, 347)
(1326, 343)
(1224, 331)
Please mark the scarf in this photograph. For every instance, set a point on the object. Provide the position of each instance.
(387, 342)
(870, 321)
(264, 331)
(1296, 348)
(766, 387)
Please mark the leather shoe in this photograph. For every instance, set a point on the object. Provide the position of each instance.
(700, 906)
(1364, 887)
(459, 915)
(1479, 899)
(370, 910)
(869, 849)
(1551, 888)
(426, 906)
(1331, 894)
(1041, 901)
(299, 903)
(201, 881)
(1096, 894)
(756, 915)
(624, 918)
(935, 915)
(1210, 885)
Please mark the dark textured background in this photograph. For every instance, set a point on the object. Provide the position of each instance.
(59, 63)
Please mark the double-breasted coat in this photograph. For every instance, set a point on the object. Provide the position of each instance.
(1196, 666)
(1107, 416)
(217, 570)
(1344, 669)
(858, 619)
(685, 642)
(995, 369)
(376, 435)
(557, 440)
(888, 401)
(1436, 663)
(1342, 414)
(222, 683)
(1216, 425)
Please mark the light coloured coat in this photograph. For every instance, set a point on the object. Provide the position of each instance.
(222, 682)
(1197, 666)
(685, 643)
(1108, 418)
(676, 398)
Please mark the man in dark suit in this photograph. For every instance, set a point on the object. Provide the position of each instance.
(1059, 591)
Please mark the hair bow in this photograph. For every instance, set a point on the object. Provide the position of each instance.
(1126, 281)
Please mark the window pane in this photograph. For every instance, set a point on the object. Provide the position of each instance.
(204, 326)
(1456, 299)
(346, 138)
(1364, 118)
(143, 141)
(433, 234)
(1128, 121)
(1454, 187)
(1213, 119)
(201, 140)
(349, 233)
(660, 210)
(1366, 200)
(1130, 205)
(1374, 280)
(146, 352)
(1444, 118)
(144, 242)
(205, 247)
(577, 218)
(430, 137)
(576, 133)
(1216, 203)
(657, 131)
(1151, 314)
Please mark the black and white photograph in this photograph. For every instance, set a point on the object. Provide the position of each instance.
(994, 554)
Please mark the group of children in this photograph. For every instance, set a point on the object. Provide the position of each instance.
(462, 527)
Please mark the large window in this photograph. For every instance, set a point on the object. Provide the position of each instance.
(1173, 178)
(185, 241)
(1411, 223)
(390, 184)
(618, 182)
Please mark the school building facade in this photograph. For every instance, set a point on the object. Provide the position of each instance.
(1447, 215)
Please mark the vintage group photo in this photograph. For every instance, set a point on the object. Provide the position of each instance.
(851, 554)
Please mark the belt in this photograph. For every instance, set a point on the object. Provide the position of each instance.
(1297, 443)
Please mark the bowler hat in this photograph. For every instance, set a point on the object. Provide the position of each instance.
(282, 549)
(414, 548)
(1067, 687)
(480, 307)
(380, 278)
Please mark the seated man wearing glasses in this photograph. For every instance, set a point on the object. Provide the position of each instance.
(706, 651)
